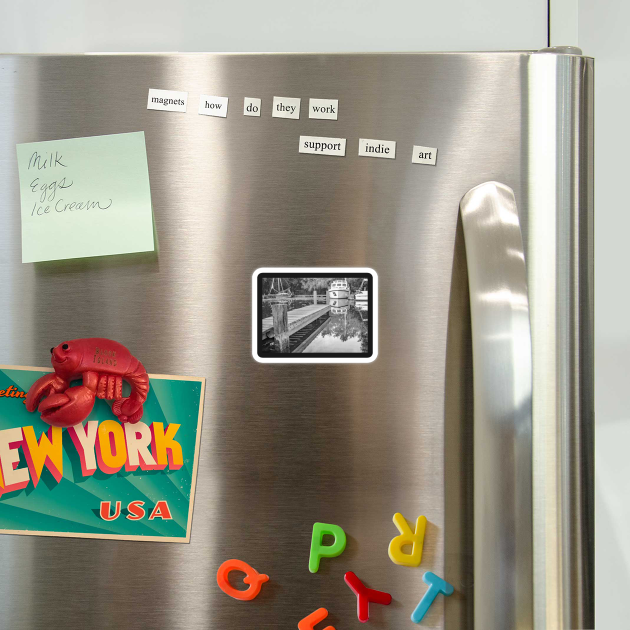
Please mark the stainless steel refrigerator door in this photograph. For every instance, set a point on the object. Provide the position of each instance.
(283, 446)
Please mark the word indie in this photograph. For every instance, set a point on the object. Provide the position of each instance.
(108, 447)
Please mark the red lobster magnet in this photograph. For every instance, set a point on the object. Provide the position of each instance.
(103, 364)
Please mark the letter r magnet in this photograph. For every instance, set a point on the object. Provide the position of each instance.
(407, 537)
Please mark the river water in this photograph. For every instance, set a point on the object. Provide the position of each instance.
(345, 331)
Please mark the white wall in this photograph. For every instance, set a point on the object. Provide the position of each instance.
(604, 29)
(270, 25)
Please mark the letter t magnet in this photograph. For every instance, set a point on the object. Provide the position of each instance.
(436, 586)
(407, 537)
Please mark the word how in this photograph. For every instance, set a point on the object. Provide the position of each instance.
(213, 106)
(252, 577)
(107, 446)
(285, 107)
(377, 148)
(136, 511)
(322, 146)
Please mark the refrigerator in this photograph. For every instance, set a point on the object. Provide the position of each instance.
(476, 409)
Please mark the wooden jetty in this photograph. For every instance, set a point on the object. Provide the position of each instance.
(295, 320)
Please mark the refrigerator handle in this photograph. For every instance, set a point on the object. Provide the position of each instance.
(502, 374)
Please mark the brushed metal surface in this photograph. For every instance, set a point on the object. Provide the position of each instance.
(502, 368)
(282, 445)
(560, 276)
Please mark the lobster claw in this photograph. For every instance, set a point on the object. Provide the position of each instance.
(68, 408)
(43, 386)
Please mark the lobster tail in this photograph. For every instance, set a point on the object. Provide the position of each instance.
(130, 409)
(139, 381)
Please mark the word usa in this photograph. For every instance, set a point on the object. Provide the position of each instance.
(107, 446)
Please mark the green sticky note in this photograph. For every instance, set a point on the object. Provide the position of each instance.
(85, 197)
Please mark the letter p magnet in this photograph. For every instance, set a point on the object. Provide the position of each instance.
(319, 551)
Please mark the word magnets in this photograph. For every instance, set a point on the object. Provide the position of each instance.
(252, 577)
(319, 550)
(365, 595)
(407, 537)
(308, 623)
(436, 586)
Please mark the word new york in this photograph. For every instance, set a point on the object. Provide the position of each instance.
(107, 446)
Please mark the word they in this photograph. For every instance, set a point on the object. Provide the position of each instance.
(285, 107)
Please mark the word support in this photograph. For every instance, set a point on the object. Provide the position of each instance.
(285, 107)
(167, 100)
(323, 108)
(377, 148)
(213, 105)
(322, 146)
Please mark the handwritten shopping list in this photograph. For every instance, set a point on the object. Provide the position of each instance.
(85, 197)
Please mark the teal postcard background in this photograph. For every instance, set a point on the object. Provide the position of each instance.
(72, 505)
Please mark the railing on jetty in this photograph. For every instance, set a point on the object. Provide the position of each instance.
(315, 296)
